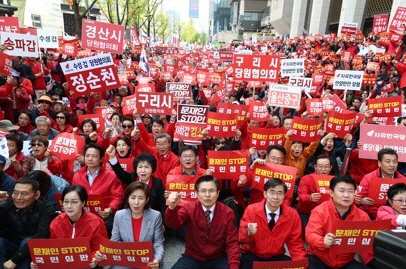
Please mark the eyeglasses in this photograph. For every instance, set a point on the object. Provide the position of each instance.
(59, 117)
(210, 191)
(323, 167)
(399, 201)
(22, 193)
(72, 203)
(50, 55)
(187, 156)
(277, 194)
(43, 102)
(37, 145)
(220, 143)
(127, 126)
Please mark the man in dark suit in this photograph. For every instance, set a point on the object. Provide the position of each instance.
(211, 233)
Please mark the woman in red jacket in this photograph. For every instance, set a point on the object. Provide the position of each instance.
(76, 222)
(15, 161)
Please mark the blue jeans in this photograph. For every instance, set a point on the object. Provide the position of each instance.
(187, 262)
(8, 248)
(316, 263)
(248, 259)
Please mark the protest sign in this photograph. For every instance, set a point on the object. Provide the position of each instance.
(240, 110)
(154, 103)
(102, 36)
(340, 124)
(97, 118)
(94, 203)
(373, 66)
(69, 49)
(9, 24)
(348, 28)
(105, 112)
(192, 113)
(228, 164)
(284, 96)
(301, 264)
(6, 63)
(180, 91)
(262, 173)
(189, 133)
(129, 105)
(184, 185)
(92, 74)
(378, 188)
(148, 87)
(125, 163)
(376, 137)
(386, 107)
(314, 106)
(258, 111)
(74, 253)
(306, 130)
(221, 125)
(380, 23)
(256, 67)
(369, 80)
(348, 80)
(323, 186)
(47, 38)
(262, 138)
(67, 146)
(20, 44)
(292, 67)
(304, 83)
(356, 236)
(399, 20)
(126, 254)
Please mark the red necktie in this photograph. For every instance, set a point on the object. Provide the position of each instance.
(207, 214)
(271, 223)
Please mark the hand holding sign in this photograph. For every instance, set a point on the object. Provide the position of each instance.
(329, 240)
(252, 228)
(173, 200)
(315, 197)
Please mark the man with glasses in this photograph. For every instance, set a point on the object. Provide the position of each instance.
(388, 165)
(211, 232)
(21, 218)
(266, 226)
(188, 156)
(307, 191)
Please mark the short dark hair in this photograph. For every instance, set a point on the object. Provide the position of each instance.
(207, 178)
(321, 156)
(188, 147)
(395, 189)
(116, 114)
(127, 119)
(122, 138)
(286, 118)
(29, 181)
(145, 157)
(66, 115)
(277, 147)
(80, 190)
(342, 178)
(94, 146)
(16, 139)
(40, 139)
(43, 179)
(273, 182)
(386, 151)
(88, 121)
(137, 185)
(26, 112)
(158, 121)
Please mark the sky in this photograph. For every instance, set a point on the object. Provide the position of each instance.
(182, 6)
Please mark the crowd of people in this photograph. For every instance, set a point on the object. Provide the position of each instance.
(230, 224)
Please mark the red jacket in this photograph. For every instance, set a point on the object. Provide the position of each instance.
(364, 188)
(179, 171)
(106, 184)
(401, 68)
(89, 225)
(320, 223)
(306, 187)
(11, 170)
(27, 129)
(39, 83)
(266, 243)
(360, 167)
(201, 243)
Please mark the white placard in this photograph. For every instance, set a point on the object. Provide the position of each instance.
(304, 83)
(47, 39)
(348, 80)
(292, 67)
(20, 44)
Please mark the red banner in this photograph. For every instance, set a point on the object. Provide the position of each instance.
(228, 164)
(69, 48)
(221, 125)
(60, 253)
(105, 112)
(399, 20)
(149, 87)
(262, 173)
(369, 80)
(94, 203)
(102, 36)
(92, 74)
(180, 91)
(305, 130)
(189, 133)
(378, 188)
(203, 78)
(240, 110)
(9, 24)
(192, 113)
(376, 137)
(386, 107)
(67, 146)
(258, 111)
(97, 118)
(126, 254)
(256, 67)
(154, 103)
(323, 185)
(184, 185)
(373, 66)
(262, 138)
(302, 264)
(314, 106)
(356, 236)
(125, 163)
(129, 105)
(380, 23)
(5, 64)
(340, 123)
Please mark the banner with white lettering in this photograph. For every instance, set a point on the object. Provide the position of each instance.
(180, 91)
(192, 113)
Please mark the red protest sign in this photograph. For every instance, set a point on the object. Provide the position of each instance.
(373, 66)
(227, 164)
(349, 28)
(154, 103)
(284, 96)
(129, 104)
(262, 173)
(126, 254)
(256, 67)
(323, 185)
(240, 110)
(203, 78)
(380, 23)
(192, 113)
(305, 130)
(94, 203)
(125, 163)
(262, 138)
(369, 80)
(258, 111)
(184, 185)
(189, 133)
(143, 80)
(72, 253)
(102, 36)
(399, 20)
(340, 123)
(356, 236)
(9, 24)
(91, 74)
(149, 87)
(302, 264)
(378, 188)
(221, 125)
(67, 146)
(180, 91)
(314, 106)
(97, 118)
(376, 137)
(69, 48)
(386, 107)
(5, 64)
(105, 112)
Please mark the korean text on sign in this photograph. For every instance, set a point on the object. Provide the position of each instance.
(256, 67)
(228, 164)
(20, 44)
(102, 36)
(348, 80)
(284, 96)
(154, 103)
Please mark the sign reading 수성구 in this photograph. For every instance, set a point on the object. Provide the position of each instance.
(348, 80)
(60, 253)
